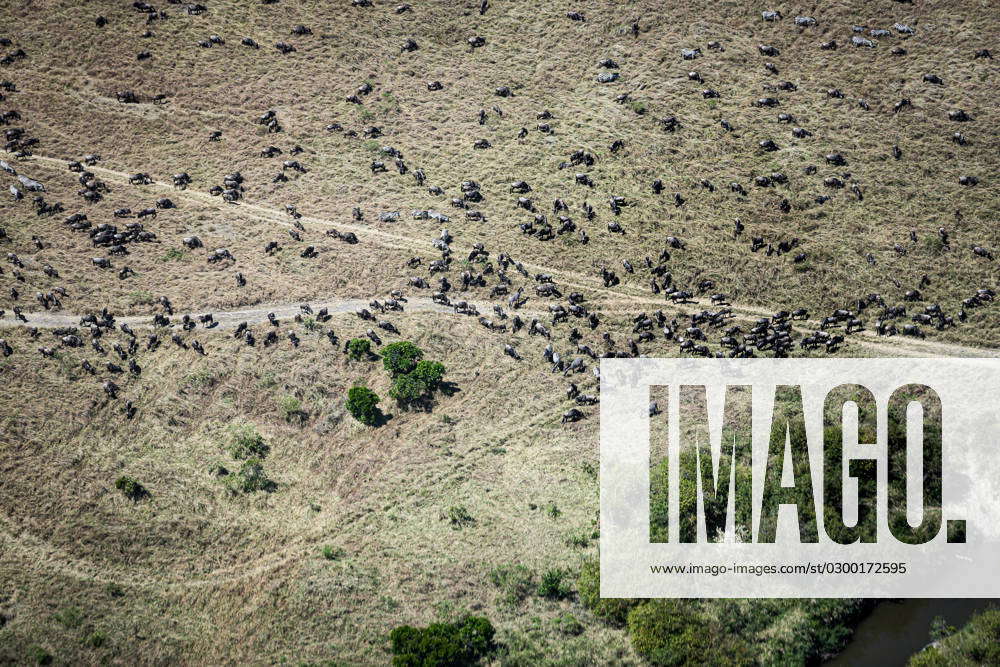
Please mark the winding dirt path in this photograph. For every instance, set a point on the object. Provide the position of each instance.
(613, 299)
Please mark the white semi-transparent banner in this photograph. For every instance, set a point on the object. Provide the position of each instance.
(904, 502)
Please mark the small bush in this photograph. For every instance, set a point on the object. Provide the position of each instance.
(95, 639)
(131, 488)
(443, 644)
(638, 106)
(401, 358)
(141, 297)
(568, 624)
(358, 348)
(250, 478)
(333, 553)
(613, 611)
(430, 373)
(671, 632)
(70, 618)
(40, 656)
(246, 442)
(516, 582)
(362, 403)
(407, 390)
(553, 584)
(172, 255)
(459, 517)
(291, 408)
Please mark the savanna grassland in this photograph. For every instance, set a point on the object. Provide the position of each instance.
(227, 506)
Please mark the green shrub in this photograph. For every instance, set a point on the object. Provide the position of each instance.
(95, 639)
(459, 517)
(69, 617)
(362, 404)
(291, 408)
(443, 644)
(553, 584)
(246, 443)
(40, 656)
(401, 358)
(250, 478)
(515, 582)
(610, 610)
(978, 643)
(358, 348)
(672, 633)
(407, 390)
(430, 373)
(131, 488)
(172, 255)
(333, 553)
(568, 624)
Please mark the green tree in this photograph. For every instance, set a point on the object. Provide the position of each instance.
(407, 390)
(362, 403)
(358, 348)
(401, 358)
(431, 373)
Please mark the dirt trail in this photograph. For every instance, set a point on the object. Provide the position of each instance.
(620, 298)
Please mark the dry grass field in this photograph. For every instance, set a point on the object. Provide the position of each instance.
(362, 528)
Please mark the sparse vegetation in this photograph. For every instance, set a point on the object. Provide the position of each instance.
(131, 488)
(246, 443)
(358, 348)
(514, 583)
(374, 527)
(554, 585)
(459, 517)
(250, 478)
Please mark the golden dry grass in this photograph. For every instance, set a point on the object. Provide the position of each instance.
(210, 578)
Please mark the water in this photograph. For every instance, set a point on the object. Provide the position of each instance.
(894, 631)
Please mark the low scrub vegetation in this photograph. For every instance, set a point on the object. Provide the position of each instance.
(466, 642)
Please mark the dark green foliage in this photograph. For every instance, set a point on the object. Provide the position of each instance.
(568, 624)
(401, 357)
(250, 478)
(443, 644)
(430, 373)
(554, 585)
(610, 610)
(362, 403)
(414, 380)
(247, 443)
(459, 517)
(407, 389)
(978, 643)
(131, 488)
(673, 633)
(715, 508)
(358, 348)
(40, 656)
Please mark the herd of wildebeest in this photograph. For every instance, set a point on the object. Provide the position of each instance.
(508, 298)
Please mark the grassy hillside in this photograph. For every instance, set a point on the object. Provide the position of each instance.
(428, 516)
